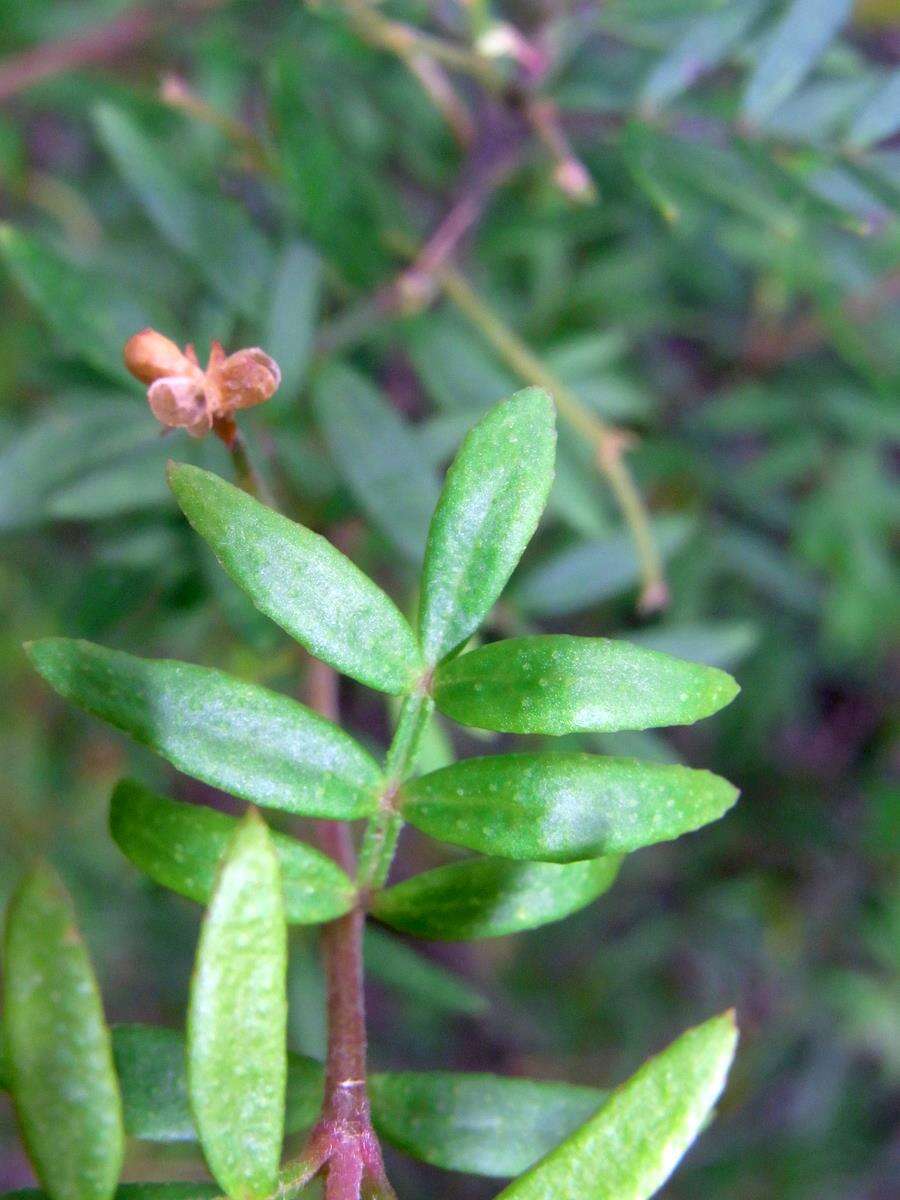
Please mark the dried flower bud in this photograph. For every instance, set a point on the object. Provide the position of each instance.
(150, 356)
(183, 396)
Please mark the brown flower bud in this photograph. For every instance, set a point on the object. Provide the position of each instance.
(183, 396)
(150, 356)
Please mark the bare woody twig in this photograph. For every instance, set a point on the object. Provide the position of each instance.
(96, 45)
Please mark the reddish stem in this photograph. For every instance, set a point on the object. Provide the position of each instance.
(343, 1141)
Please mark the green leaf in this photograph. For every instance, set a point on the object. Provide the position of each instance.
(377, 454)
(490, 897)
(480, 1124)
(560, 807)
(416, 978)
(213, 232)
(293, 311)
(879, 118)
(92, 314)
(180, 847)
(136, 1191)
(587, 573)
(489, 508)
(632, 1145)
(790, 52)
(302, 582)
(244, 739)
(237, 1018)
(705, 43)
(559, 684)
(62, 449)
(60, 1059)
(152, 1068)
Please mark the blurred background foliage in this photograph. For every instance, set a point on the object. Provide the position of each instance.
(687, 215)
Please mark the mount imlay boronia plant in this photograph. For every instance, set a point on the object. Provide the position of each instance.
(552, 828)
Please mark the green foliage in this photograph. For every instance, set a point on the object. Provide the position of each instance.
(726, 305)
(58, 1046)
(265, 748)
(237, 1018)
(632, 1145)
(302, 582)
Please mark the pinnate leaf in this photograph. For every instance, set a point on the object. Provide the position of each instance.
(302, 582)
(237, 1018)
(632, 1145)
(481, 1124)
(490, 897)
(562, 807)
(560, 684)
(60, 1062)
(254, 743)
(180, 847)
(489, 508)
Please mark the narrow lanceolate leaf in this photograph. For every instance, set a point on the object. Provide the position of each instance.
(236, 736)
(378, 455)
(492, 499)
(237, 1018)
(302, 582)
(60, 1059)
(633, 1144)
(489, 897)
(705, 43)
(181, 845)
(791, 51)
(560, 684)
(562, 807)
(152, 1068)
(480, 1124)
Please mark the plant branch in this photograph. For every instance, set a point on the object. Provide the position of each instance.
(95, 45)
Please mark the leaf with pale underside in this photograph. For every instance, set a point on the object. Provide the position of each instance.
(60, 1067)
(254, 743)
(562, 807)
(237, 1018)
(490, 897)
(296, 577)
(635, 1141)
(180, 847)
(490, 506)
(558, 684)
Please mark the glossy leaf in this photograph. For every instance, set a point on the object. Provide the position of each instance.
(180, 847)
(237, 1018)
(490, 505)
(152, 1066)
(632, 1145)
(377, 454)
(559, 684)
(560, 807)
(480, 1124)
(92, 314)
(705, 43)
(790, 52)
(60, 1067)
(302, 582)
(249, 741)
(490, 897)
